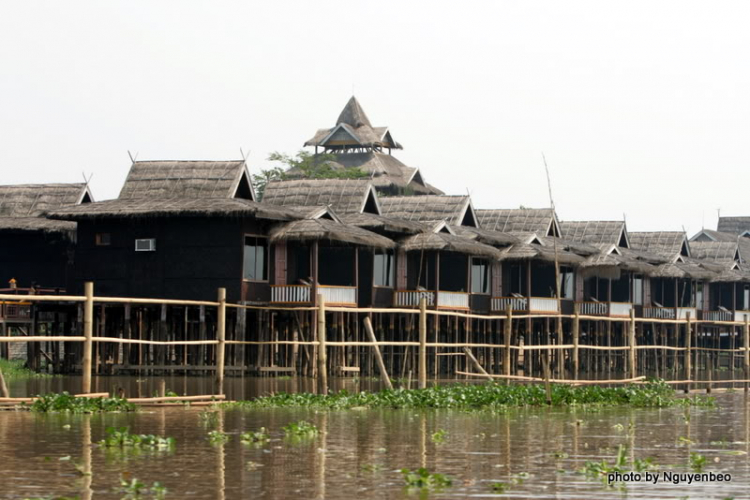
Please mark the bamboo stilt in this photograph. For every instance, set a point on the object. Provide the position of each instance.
(476, 363)
(221, 322)
(88, 330)
(322, 357)
(631, 342)
(576, 334)
(746, 342)
(378, 357)
(688, 353)
(422, 343)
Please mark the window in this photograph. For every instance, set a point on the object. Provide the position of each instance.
(103, 239)
(145, 245)
(566, 282)
(638, 289)
(746, 298)
(480, 276)
(698, 295)
(384, 268)
(256, 258)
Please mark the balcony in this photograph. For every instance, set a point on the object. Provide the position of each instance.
(15, 311)
(717, 316)
(532, 305)
(439, 299)
(740, 315)
(301, 294)
(680, 313)
(605, 309)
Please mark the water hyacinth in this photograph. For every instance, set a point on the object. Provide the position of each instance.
(485, 396)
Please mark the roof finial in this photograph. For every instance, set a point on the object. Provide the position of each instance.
(132, 158)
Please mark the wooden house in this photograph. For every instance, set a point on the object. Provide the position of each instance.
(35, 251)
(608, 283)
(672, 290)
(355, 143)
(727, 295)
(346, 263)
(179, 229)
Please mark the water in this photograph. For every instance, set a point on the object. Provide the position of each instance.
(358, 453)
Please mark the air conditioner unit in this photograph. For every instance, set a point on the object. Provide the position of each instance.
(145, 245)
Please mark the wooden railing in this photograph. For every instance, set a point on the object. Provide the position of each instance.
(740, 315)
(659, 312)
(290, 294)
(606, 309)
(452, 300)
(526, 304)
(17, 311)
(682, 313)
(717, 316)
(516, 303)
(339, 295)
(411, 298)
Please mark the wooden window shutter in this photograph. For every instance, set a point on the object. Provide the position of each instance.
(280, 263)
(579, 286)
(401, 270)
(497, 279)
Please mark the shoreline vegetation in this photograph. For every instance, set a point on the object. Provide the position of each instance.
(15, 369)
(652, 394)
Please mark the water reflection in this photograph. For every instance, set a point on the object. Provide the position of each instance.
(357, 454)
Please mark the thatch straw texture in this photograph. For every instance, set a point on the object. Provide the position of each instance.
(527, 220)
(715, 251)
(353, 129)
(428, 208)
(323, 229)
(450, 243)
(172, 207)
(493, 238)
(22, 206)
(733, 225)
(594, 231)
(157, 180)
(346, 196)
(380, 223)
(667, 243)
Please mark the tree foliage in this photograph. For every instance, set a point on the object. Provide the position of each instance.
(305, 164)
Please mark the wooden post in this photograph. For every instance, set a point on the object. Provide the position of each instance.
(322, 356)
(221, 331)
(688, 353)
(88, 330)
(507, 332)
(576, 335)
(3, 388)
(631, 342)
(376, 349)
(422, 343)
(746, 342)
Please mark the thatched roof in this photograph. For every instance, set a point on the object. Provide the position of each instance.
(353, 129)
(22, 206)
(156, 180)
(447, 242)
(710, 235)
(323, 229)
(346, 196)
(173, 207)
(734, 225)
(456, 210)
(671, 244)
(715, 251)
(595, 231)
(381, 223)
(528, 220)
(493, 238)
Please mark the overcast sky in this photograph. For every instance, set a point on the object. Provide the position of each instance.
(641, 108)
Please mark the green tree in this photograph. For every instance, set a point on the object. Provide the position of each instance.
(304, 164)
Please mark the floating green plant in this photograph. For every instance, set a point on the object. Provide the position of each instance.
(485, 396)
(255, 437)
(300, 430)
(422, 478)
(66, 403)
(135, 489)
(218, 437)
(696, 461)
(122, 438)
(438, 437)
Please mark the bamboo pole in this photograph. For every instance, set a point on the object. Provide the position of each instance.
(507, 330)
(3, 388)
(576, 336)
(746, 343)
(688, 354)
(378, 357)
(631, 342)
(221, 327)
(475, 362)
(422, 343)
(322, 357)
(88, 330)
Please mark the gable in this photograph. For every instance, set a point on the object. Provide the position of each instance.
(340, 136)
(244, 188)
(371, 205)
(684, 249)
(623, 241)
(470, 217)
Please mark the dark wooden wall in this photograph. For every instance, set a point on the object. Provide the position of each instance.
(194, 256)
(36, 257)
